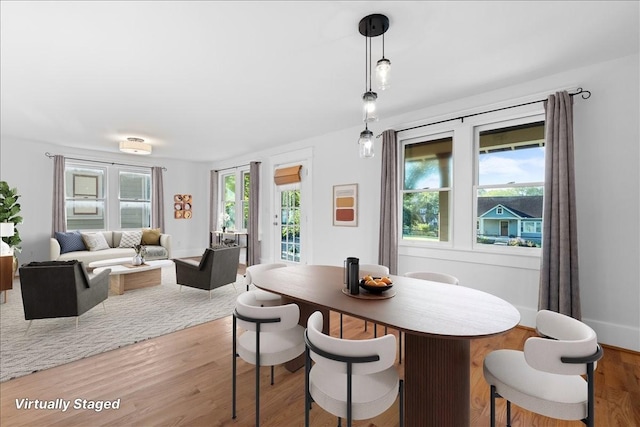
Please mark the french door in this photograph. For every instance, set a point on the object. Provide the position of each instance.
(289, 225)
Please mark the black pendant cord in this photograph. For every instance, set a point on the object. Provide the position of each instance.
(584, 94)
(369, 64)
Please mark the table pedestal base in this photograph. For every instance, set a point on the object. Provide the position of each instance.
(437, 384)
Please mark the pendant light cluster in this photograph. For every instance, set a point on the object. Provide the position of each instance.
(372, 26)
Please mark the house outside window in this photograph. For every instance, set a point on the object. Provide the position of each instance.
(426, 188)
(510, 183)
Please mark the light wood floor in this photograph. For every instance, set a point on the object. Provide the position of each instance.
(184, 379)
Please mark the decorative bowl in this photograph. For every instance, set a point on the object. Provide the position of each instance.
(374, 289)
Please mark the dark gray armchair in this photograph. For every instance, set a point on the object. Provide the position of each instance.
(216, 268)
(60, 289)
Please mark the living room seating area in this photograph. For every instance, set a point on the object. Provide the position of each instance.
(102, 245)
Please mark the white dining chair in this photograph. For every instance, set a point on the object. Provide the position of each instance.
(432, 276)
(271, 337)
(546, 378)
(375, 270)
(267, 298)
(352, 379)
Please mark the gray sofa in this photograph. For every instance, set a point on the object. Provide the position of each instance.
(162, 251)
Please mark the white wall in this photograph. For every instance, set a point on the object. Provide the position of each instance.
(608, 193)
(25, 166)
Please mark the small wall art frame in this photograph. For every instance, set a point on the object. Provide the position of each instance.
(345, 205)
(182, 206)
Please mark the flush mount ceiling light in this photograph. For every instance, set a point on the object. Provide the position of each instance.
(135, 146)
(372, 26)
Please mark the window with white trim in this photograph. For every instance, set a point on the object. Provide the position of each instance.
(509, 182)
(106, 197)
(234, 200)
(426, 188)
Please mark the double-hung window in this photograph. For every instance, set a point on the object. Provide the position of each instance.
(510, 183)
(426, 188)
(135, 199)
(104, 198)
(234, 201)
(85, 197)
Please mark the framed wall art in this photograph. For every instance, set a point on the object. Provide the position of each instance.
(345, 205)
(182, 206)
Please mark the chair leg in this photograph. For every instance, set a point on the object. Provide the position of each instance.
(399, 347)
(340, 325)
(28, 326)
(508, 414)
(492, 396)
(271, 374)
(233, 370)
(401, 409)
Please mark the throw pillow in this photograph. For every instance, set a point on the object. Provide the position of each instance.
(70, 242)
(130, 238)
(151, 236)
(95, 241)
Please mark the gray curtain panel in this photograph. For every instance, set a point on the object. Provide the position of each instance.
(254, 214)
(213, 201)
(157, 198)
(59, 222)
(559, 284)
(388, 241)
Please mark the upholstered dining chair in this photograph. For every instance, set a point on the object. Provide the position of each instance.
(352, 379)
(375, 270)
(546, 378)
(271, 337)
(432, 276)
(268, 298)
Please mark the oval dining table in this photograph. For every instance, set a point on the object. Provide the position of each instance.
(438, 320)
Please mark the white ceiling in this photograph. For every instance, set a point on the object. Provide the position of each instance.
(206, 81)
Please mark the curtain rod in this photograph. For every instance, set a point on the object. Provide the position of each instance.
(585, 94)
(233, 167)
(49, 155)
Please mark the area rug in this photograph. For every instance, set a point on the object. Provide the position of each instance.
(135, 316)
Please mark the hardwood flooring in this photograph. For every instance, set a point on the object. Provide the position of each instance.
(184, 379)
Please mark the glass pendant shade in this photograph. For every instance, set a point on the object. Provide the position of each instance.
(365, 144)
(383, 73)
(369, 113)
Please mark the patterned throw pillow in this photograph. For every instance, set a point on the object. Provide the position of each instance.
(95, 241)
(151, 236)
(130, 238)
(70, 242)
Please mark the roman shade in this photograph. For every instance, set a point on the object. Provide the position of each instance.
(287, 175)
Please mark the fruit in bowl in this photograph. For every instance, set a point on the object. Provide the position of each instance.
(376, 285)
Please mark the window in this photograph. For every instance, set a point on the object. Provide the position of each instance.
(135, 199)
(426, 190)
(235, 200)
(103, 198)
(510, 183)
(85, 201)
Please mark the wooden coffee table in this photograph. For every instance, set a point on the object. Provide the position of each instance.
(126, 276)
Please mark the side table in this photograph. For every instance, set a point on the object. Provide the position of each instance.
(6, 274)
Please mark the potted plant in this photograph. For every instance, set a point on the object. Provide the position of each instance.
(10, 212)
